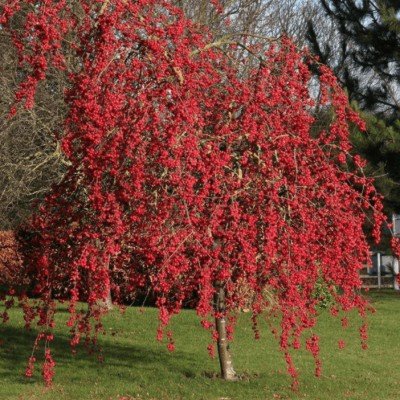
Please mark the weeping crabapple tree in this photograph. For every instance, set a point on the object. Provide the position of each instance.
(187, 178)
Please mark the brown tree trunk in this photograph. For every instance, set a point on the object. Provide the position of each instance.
(105, 304)
(225, 358)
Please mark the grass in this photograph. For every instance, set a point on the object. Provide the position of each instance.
(136, 366)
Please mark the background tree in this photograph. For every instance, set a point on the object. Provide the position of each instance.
(381, 147)
(30, 158)
(368, 65)
(251, 21)
(362, 47)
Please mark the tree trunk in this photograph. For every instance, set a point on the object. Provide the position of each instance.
(105, 304)
(225, 359)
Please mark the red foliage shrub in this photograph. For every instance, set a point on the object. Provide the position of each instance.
(10, 260)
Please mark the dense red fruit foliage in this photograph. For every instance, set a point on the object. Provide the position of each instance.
(185, 175)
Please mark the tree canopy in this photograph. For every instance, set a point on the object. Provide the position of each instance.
(186, 176)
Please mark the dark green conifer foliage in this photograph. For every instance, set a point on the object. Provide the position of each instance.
(368, 62)
(365, 55)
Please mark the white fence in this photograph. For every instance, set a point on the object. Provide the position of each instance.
(383, 270)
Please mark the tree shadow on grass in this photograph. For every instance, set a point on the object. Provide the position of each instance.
(122, 359)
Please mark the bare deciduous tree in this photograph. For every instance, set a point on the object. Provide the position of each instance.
(30, 158)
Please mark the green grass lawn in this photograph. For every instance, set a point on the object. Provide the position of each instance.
(136, 366)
